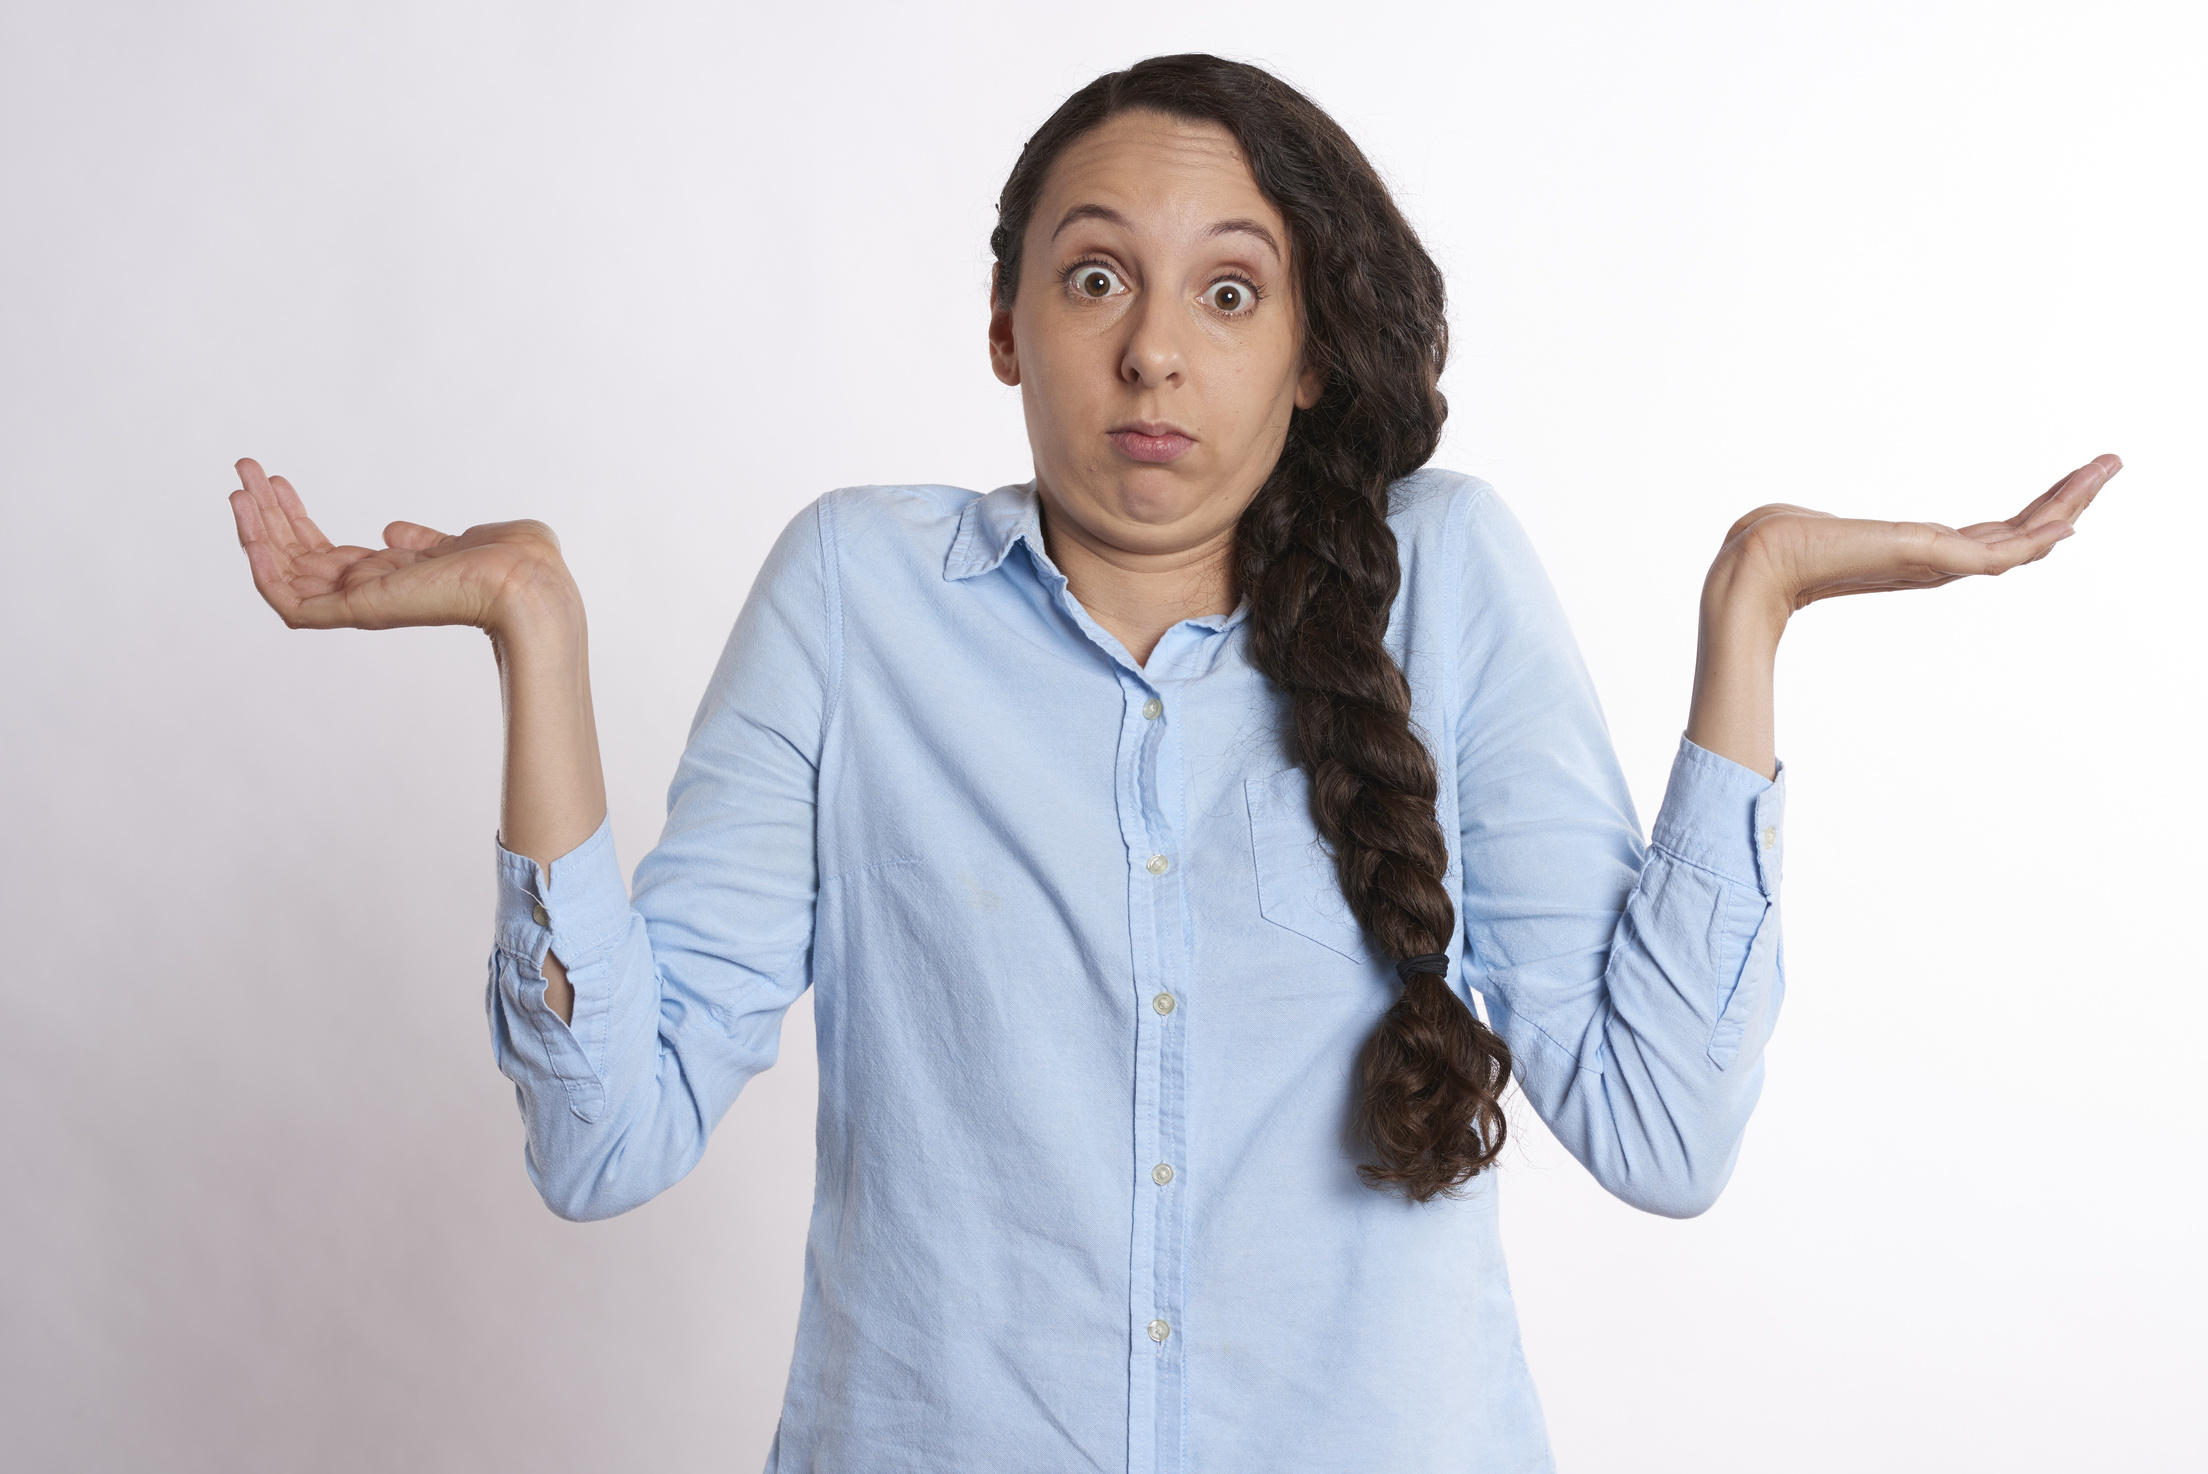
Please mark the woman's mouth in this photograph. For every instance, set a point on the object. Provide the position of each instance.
(1154, 443)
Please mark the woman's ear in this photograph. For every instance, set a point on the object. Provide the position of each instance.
(1310, 384)
(1004, 354)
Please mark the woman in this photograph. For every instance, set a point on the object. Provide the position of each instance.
(1145, 831)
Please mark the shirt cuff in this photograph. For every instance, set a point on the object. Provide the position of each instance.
(1724, 817)
(577, 905)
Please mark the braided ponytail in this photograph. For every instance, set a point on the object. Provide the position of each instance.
(1318, 564)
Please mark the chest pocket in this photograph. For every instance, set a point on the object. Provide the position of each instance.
(1296, 884)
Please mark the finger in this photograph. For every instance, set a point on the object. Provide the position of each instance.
(271, 579)
(2049, 532)
(2070, 496)
(268, 562)
(296, 510)
(2032, 507)
(248, 518)
(2109, 465)
(1942, 551)
(304, 602)
(330, 564)
(276, 526)
(413, 537)
(2028, 547)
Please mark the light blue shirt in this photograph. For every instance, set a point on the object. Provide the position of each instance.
(1089, 1000)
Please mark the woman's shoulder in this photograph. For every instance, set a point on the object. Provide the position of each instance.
(879, 525)
(880, 543)
(1432, 493)
(909, 505)
(1433, 505)
(1460, 542)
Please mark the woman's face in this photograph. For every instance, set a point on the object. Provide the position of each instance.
(1156, 337)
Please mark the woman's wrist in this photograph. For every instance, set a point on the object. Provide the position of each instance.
(1744, 598)
(538, 606)
(1744, 612)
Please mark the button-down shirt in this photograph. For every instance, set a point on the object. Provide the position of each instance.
(1089, 1000)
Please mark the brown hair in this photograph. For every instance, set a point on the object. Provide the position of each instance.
(1317, 562)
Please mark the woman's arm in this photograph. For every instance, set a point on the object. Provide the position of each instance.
(628, 1046)
(1637, 984)
(1779, 558)
(552, 792)
(508, 580)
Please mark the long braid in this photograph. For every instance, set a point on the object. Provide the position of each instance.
(1318, 563)
(1321, 573)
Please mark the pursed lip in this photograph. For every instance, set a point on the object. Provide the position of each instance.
(1150, 440)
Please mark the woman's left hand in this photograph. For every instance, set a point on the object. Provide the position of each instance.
(1797, 556)
(1779, 558)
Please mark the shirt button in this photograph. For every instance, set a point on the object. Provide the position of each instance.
(1770, 835)
(1159, 1330)
(1161, 1174)
(1153, 709)
(1163, 1003)
(541, 916)
(1158, 865)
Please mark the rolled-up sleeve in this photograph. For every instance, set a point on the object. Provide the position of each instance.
(679, 992)
(1635, 984)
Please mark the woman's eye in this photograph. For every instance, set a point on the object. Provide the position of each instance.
(1095, 281)
(1231, 296)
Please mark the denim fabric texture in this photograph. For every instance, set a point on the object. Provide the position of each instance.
(1089, 1001)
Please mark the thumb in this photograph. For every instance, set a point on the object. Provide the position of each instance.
(412, 536)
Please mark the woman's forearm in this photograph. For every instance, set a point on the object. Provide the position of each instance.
(1742, 619)
(553, 793)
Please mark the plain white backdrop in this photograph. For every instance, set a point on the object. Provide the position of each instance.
(663, 273)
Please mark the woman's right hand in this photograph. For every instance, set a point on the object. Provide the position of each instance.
(488, 576)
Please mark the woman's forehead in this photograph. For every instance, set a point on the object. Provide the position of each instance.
(1152, 171)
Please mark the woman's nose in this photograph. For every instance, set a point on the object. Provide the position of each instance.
(1154, 353)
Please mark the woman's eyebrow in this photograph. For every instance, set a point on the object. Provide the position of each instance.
(1247, 227)
(1091, 212)
(1111, 216)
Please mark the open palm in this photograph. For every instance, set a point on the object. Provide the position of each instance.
(1815, 555)
(421, 576)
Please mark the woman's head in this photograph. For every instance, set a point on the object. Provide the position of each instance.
(1149, 314)
(1193, 247)
(1178, 177)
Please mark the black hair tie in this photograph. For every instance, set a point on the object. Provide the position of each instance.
(1436, 963)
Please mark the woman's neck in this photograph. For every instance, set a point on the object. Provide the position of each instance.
(1138, 596)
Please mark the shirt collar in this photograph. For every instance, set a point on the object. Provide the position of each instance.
(990, 526)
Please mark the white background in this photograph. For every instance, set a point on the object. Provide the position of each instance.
(661, 274)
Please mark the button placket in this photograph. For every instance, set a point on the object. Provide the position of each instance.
(1149, 783)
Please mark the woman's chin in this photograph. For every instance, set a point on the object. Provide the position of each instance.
(1151, 512)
